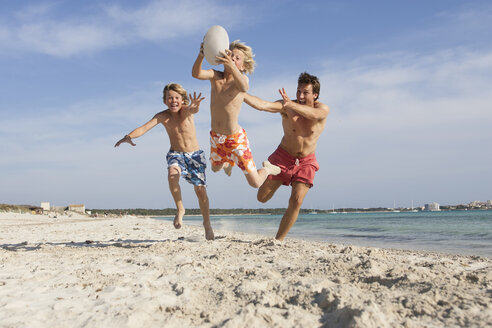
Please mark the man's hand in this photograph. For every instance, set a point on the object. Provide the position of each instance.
(195, 101)
(126, 139)
(285, 97)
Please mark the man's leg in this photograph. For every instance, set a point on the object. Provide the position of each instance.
(299, 191)
(201, 193)
(267, 190)
(174, 172)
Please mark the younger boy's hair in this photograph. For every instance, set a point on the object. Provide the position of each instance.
(176, 87)
(306, 78)
(249, 62)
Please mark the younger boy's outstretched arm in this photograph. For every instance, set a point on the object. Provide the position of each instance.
(140, 130)
(197, 72)
(263, 105)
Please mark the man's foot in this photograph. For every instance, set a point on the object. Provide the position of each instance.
(270, 168)
(178, 219)
(227, 169)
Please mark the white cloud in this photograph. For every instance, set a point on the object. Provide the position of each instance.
(38, 28)
(167, 19)
(66, 39)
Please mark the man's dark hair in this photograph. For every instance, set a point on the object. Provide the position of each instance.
(306, 78)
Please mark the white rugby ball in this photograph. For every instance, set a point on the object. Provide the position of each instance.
(215, 41)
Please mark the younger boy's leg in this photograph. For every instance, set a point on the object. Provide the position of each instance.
(201, 194)
(174, 173)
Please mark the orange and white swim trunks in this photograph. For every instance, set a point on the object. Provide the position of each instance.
(232, 149)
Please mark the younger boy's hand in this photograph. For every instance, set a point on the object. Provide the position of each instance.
(195, 101)
(126, 139)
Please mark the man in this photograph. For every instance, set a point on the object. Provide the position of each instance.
(303, 120)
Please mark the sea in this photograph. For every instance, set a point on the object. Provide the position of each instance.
(452, 232)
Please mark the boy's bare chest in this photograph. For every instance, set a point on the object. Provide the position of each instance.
(226, 88)
(179, 124)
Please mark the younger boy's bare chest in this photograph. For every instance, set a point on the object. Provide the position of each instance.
(179, 124)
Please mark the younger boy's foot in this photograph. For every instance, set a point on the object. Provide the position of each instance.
(270, 168)
(227, 169)
(178, 219)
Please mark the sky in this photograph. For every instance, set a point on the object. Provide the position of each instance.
(408, 84)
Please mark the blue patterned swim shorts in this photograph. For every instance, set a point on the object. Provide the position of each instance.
(192, 165)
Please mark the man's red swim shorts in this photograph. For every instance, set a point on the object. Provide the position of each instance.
(300, 169)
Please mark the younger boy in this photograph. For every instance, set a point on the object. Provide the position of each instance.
(229, 143)
(185, 156)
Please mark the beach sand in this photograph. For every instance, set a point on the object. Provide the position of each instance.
(141, 272)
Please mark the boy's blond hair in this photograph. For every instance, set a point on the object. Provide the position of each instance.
(176, 87)
(249, 62)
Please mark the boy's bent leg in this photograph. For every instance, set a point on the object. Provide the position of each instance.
(226, 166)
(267, 190)
(256, 178)
(299, 191)
(201, 193)
(174, 173)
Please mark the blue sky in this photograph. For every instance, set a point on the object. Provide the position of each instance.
(408, 84)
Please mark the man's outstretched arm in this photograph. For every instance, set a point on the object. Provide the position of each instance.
(263, 105)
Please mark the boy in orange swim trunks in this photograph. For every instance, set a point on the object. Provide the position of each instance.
(229, 142)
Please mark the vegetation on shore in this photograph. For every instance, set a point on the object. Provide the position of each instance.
(15, 208)
(223, 211)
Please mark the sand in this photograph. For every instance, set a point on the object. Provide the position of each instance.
(140, 272)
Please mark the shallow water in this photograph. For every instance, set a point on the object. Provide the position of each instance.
(457, 232)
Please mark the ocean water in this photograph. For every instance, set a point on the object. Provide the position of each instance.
(456, 232)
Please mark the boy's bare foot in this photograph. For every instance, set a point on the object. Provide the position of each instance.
(227, 169)
(178, 219)
(270, 168)
(209, 233)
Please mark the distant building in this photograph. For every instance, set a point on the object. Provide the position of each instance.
(489, 202)
(36, 210)
(432, 207)
(77, 208)
(45, 206)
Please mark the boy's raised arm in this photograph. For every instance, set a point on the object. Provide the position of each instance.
(263, 105)
(241, 80)
(197, 72)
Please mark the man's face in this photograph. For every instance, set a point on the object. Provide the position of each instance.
(173, 100)
(238, 58)
(305, 95)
